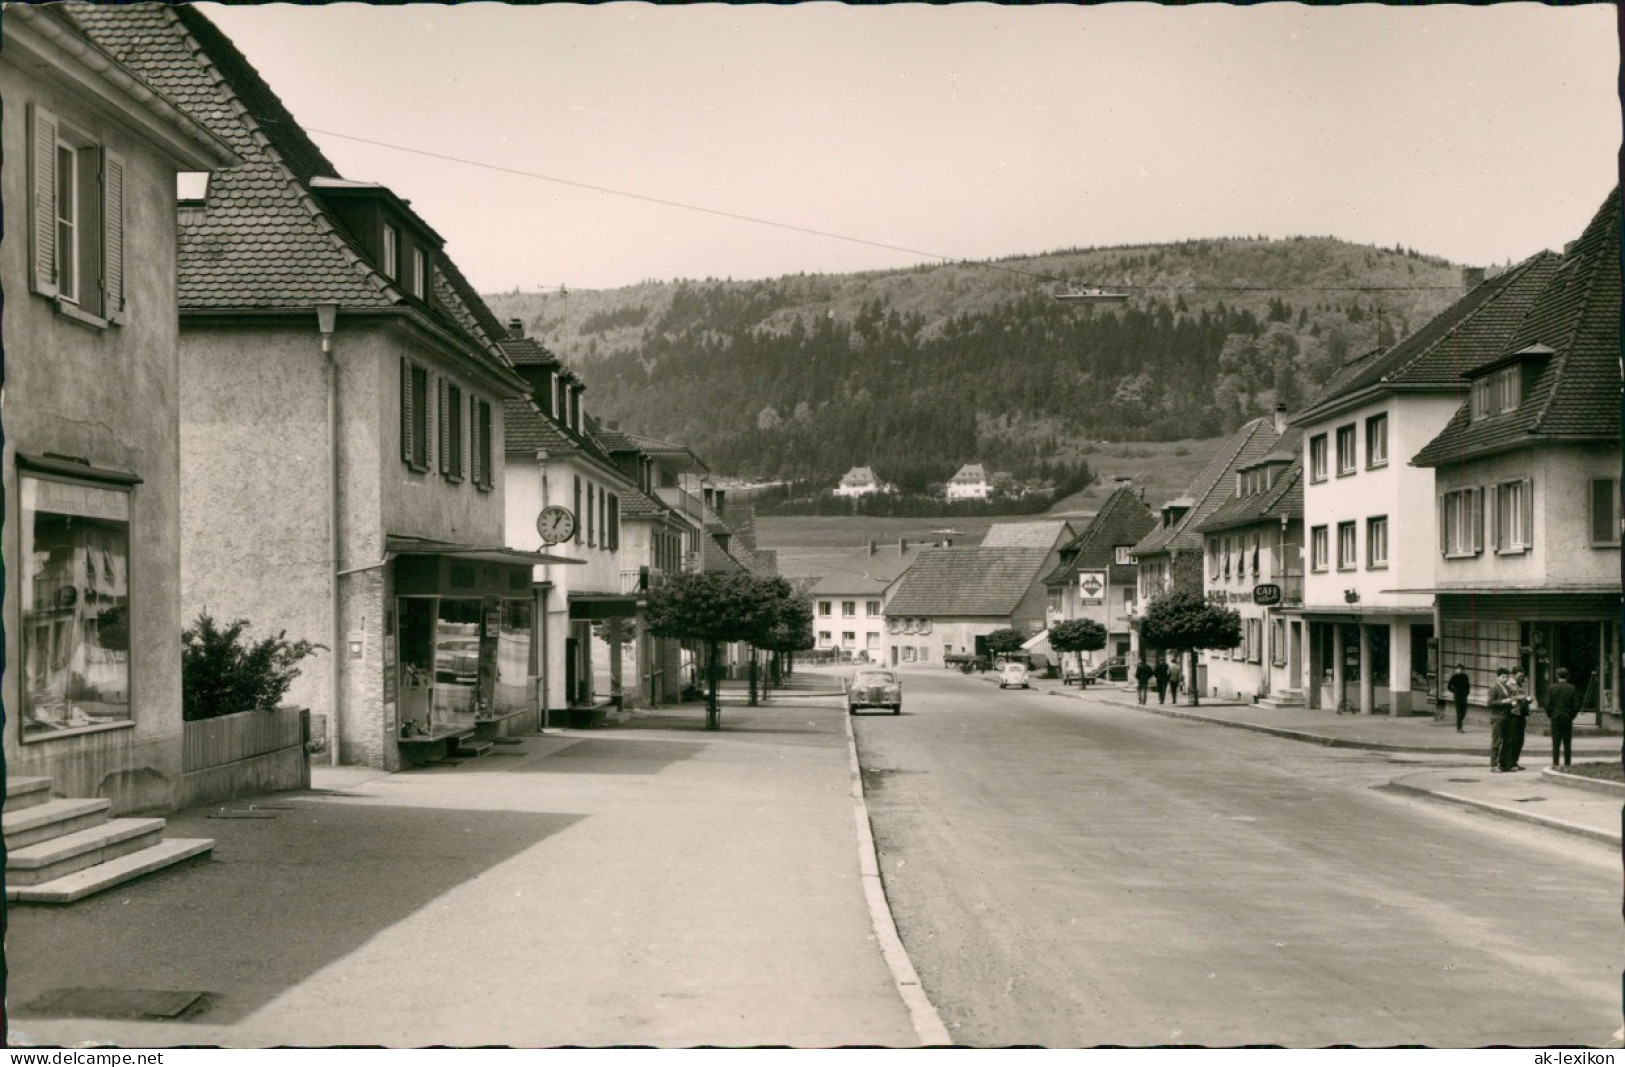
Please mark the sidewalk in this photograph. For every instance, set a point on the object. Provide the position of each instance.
(1561, 802)
(646, 884)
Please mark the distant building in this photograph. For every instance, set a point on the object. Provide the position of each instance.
(860, 481)
(849, 600)
(970, 483)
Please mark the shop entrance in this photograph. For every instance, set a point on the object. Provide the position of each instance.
(1575, 645)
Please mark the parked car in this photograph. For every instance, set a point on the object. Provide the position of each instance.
(1013, 675)
(1112, 670)
(872, 688)
(1072, 671)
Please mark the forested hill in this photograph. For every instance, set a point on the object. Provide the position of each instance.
(917, 371)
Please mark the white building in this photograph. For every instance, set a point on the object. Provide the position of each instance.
(860, 481)
(969, 483)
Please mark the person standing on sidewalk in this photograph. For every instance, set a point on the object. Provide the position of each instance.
(1176, 678)
(1519, 722)
(1142, 679)
(1503, 698)
(1160, 673)
(1562, 705)
(1459, 686)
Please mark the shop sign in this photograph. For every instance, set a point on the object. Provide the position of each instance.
(1229, 596)
(1091, 587)
(1267, 595)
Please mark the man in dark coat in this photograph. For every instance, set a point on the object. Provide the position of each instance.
(1503, 699)
(1562, 705)
(1142, 678)
(1459, 686)
(1160, 673)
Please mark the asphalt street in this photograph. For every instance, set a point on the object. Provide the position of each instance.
(1071, 872)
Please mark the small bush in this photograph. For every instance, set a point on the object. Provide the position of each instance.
(222, 673)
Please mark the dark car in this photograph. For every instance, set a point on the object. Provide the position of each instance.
(1112, 670)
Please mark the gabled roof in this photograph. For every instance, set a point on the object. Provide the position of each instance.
(1123, 519)
(866, 572)
(1046, 534)
(859, 476)
(970, 472)
(1252, 442)
(1461, 337)
(1282, 500)
(1572, 393)
(967, 581)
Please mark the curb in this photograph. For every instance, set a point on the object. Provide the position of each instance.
(1580, 781)
(927, 1023)
(1505, 812)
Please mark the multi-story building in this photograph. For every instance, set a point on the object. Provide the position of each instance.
(1370, 515)
(1526, 491)
(1096, 578)
(849, 600)
(858, 482)
(334, 358)
(93, 609)
(969, 483)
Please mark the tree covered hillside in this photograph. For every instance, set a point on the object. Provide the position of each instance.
(916, 371)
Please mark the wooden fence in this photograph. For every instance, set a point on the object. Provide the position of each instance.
(249, 752)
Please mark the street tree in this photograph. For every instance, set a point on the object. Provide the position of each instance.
(1078, 636)
(1001, 641)
(712, 608)
(1181, 621)
(791, 630)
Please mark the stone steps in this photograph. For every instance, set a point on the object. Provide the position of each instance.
(58, 856)
(468, 748)
(41, 822)
(81, 884)
(26, 792)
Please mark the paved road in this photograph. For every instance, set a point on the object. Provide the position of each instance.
(1070, 873)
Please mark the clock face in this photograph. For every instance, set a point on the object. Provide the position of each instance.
(556, 524)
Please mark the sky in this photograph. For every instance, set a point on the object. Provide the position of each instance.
(964, 131)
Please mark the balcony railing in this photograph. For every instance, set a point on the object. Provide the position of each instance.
(678, 500)
(1291, 587)
(642, 580)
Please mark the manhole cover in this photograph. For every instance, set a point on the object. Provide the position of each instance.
(1527, 800)
(113, 1003)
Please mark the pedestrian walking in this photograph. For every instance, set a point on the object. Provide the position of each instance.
(1142, 679)
(1176, 679)
(1503, 698)
(1562, 705)
(1160, 673)
(1519, 722)
(1459, 686)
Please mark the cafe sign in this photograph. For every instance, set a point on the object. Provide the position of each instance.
(1267, 595)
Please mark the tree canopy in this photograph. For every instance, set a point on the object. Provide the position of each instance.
(1077, 635)
(1001, 641)
(1183, 621)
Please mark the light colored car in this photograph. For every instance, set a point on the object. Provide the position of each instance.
(870, 688)
(1013, 675)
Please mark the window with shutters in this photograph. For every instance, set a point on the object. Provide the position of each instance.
(484, 474)
(451, 431)
(1461, 523)
(1605, 518)
(414, 415)
(1514, 516)
(77, 200)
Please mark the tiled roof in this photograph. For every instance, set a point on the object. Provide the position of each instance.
(1463, 336)
(524, 429)
(865, 572)
(967, 581)
(1276, 502)
(636, 505)
(527, 352)
(1026, 534)
(859, 476)
(1123, 519)
(1252, 442)
(970, 472)
(1574, 393)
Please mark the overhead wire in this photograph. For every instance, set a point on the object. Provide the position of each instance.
(756, 220)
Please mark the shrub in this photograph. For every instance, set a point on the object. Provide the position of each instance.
(222, 673)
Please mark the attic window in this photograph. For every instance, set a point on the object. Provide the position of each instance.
(420, 274)
(1497, 393)
(390, 260)
(192, 186)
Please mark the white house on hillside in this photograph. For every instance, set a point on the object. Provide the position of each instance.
(860, 481)
(970, 483)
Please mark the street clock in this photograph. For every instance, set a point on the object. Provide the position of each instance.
(556, 524)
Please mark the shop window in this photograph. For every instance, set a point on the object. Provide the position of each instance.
(1345, 450)
(414, 415)
(1317, 458)
(75, 607)
(1605, 517)
(1376, 542)
(1461, 522)
(1376, 441)
(77, 200)
(1347, 546)
(1319, 548)
(1514, 516)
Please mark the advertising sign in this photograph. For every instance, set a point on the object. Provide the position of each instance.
(1267, 595)
(1091, 587)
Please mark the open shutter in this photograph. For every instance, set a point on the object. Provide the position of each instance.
(406, 410)
(42, 173)
(112, 236)
(475, 459)
(1444, 524)
(1528, 513)
(1492, 519)
(431, 419)
(462, 438)
(580, 519)
(1475, 519)
(488, 460)
(443, 398)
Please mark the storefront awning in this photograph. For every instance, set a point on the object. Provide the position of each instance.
(591, 607)
(418, 546)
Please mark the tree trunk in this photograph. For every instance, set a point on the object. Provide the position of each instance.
(753, 677)
(713, 713)
(1190, 683)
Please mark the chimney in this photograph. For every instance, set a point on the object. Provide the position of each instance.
(516, 328)
(1280, 419)
(721, 502)
(1569, 247)
(1472, 277)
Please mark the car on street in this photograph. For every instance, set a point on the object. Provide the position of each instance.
(871, 688)
(1013, 675)
(1112, 670)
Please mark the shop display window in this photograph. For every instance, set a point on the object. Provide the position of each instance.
(75, 594)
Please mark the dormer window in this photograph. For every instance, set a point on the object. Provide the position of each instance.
(390, 259)
(1502, 390)
(420, 274)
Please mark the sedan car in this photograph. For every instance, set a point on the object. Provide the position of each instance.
(1013, 676)
(1113, 670)
(874, 689)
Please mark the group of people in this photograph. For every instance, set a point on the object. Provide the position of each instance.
(1510, 704)
(1168, 678)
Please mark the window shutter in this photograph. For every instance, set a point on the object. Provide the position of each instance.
(476, 470)
(1476, 519)
(579, 517)
(431, 419)
(487, 460)
(443, 397)
(1529, 513)
(406, 410)
(112, 236)
(1444, 524)
(1492, 518)
(465, 431)
(43, 176)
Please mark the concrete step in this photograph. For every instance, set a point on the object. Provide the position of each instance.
(52, 859)
(469, 748)
(81, 884)
(1273, 701)
(54, 818)
(26, 792)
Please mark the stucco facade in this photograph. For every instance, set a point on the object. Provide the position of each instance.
(104, 393)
